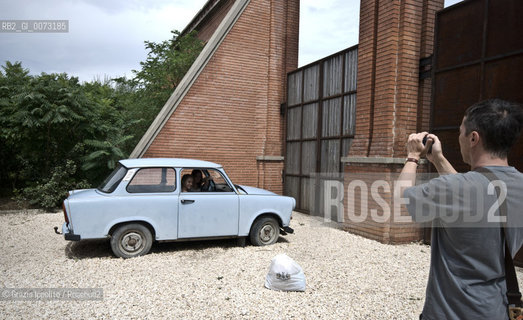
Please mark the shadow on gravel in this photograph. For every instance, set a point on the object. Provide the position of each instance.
(86, 249)
(163, 247)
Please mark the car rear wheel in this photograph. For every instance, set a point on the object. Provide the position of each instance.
(264, 231)
(131, 240)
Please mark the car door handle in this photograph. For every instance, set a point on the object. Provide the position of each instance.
(187, 201)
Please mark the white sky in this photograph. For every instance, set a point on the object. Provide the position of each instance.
(105, 37)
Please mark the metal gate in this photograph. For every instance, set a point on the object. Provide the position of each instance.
(478, 55)
(321, 103)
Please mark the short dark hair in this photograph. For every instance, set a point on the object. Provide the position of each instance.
(195, 172)
(498, 123)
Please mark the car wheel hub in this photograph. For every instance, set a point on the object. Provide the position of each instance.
(266, 233)
(132, 242)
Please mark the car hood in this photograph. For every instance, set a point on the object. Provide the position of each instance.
(253, 190)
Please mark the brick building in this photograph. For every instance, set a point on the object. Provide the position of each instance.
(392, 101)
(228, 108)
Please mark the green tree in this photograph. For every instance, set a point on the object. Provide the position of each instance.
(44, 121)
(166, 64)
(128, 107)
(13, 78)
(115, 127)
(51, 125)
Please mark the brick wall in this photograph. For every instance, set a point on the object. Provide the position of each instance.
(207, 26)
(386, 224)
(231, 113)
(391, 102)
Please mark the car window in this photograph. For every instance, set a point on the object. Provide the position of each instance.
(113, 180)
(153, 180)
(211, 180)
(219, 181)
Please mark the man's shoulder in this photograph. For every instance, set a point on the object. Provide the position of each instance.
(478, 173)
(508, 170)
(501, 172)
(470, 176)
(448, 182)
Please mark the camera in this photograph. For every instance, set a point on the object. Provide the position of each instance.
(425, 142)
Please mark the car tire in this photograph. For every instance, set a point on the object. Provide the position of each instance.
(264, 231)
(131, 240)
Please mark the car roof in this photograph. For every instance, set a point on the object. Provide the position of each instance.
(168, 162)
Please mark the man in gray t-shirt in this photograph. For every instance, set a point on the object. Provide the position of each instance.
(467, 270)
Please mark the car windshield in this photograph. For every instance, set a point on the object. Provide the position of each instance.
(111, 182)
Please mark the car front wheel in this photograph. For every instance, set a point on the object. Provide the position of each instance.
(131, 240)
(264, 231)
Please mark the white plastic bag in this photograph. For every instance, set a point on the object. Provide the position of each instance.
(285, 275)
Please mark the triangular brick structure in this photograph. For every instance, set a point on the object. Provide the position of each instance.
(227, 107)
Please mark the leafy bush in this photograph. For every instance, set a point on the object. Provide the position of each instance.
(51, 124)
(50, 194)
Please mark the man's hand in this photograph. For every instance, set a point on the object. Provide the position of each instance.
(437, 152)
(415, 150)
(436, 156)
(415, 147)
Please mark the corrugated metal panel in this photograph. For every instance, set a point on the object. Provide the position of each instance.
(331, 118)
(351, 70)
(294, 123)
(330, 157)
(325, 119)
(292, 158)
(349, 115)
(311, 83)
(346, 144)
(292, 187)
(332, 76)
(310, 121)
(308, 161)
(306, 197)
(294, 83)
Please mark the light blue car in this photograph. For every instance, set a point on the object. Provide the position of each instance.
(144, 200)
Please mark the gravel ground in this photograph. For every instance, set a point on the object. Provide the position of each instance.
(348, 277)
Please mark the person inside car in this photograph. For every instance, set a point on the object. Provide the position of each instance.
(187, 183)
(200, 184)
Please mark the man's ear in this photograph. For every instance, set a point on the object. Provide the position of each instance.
(474, 138)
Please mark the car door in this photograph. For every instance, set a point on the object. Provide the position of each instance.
(210, 213)
(151, 196)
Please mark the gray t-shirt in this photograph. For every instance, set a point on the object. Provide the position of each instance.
(467, 270)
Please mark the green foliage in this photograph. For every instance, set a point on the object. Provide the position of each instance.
(105, 155)
(51, 124)
(51, 193)
(166, 64)
(12, 82)
(43, 123)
